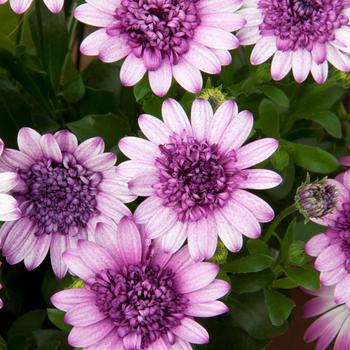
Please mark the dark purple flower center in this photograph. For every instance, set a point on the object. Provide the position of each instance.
(195, 177)
(140, 299)
(60, 197)
(156, 29)
(301, 23)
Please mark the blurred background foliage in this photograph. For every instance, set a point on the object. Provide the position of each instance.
(45, 83)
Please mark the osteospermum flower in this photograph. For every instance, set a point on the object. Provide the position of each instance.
(166, 38)
(333, 322)
(9, 209)
(64, 189)
(332, 248)
(196, 175)
(301, 35)
(21, 6)
(136, 296)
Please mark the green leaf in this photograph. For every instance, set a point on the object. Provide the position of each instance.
(284, 283)
(48, 339)
(141, 90)
(279, 306)
(14, 112)
(257, 246)
(20, 73)
(327, 119)
(251, 282)
(312, 158)
(276, 95)
(51, 40)
(249, 312)
(2, 343)
(25, 325)
(304, 276)
(57, 318)
(109, 126)
(269, 118)
(253, 263)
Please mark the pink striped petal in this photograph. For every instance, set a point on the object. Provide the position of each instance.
(8, 181)
(38, 253)
(67, 141)
(138, 149)
(91, 15)
(129, 241)
(281, 64)
(188, 76)
(263, 50)
(330, 258)
(260, 209)
(147, 209)
(215, 290)
(255, 152)
(172, 241)
(317, 244)
(191, 331)
(29, 143)
(132, 71)
(260, 179)
(202, 239)
(58, 247)
(209, 309)
(175, 117)
(84, 314)
(101, 162)
(329, 278)
(301, 65)
(215, 38)
(225, 21)
(67, 299)
(84, 336)
(77, 266)
(160, 79)
(319, 72)
(203, 58)
(196, 276)
(113, 49)
(90, 46)
(201, 115)
(154, 129)
(317, 306)
(342, 291)
(221, 119)
(237, 131)
(55, 6)
(161, 222)
(20, 6)
(89, 148)
(229, 235)
(50, 148)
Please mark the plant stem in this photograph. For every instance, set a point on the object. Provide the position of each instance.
(20, 30)
(279, 218)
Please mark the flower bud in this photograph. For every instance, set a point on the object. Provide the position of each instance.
(215, 96)
(317, 199)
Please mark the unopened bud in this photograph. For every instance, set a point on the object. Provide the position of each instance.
(317, 199)
(215, 96)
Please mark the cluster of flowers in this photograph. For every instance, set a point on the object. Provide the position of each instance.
(142, 283)
(168, 38)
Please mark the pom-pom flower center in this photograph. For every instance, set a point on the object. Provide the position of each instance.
(302, 23)
(156, 29)
(61, 197)
(140, 299)
(195, 176)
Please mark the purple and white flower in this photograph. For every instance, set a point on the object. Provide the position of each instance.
(21, 6)
(195, 175)
(332, 248)
(64, 189)
(333, 323)
(9, 209)
(301, 35)
(166, 38)
(136, 296)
